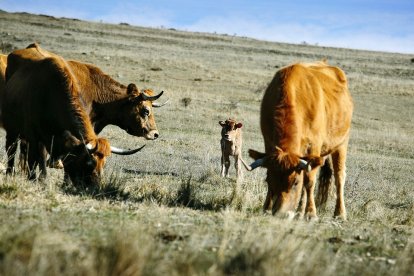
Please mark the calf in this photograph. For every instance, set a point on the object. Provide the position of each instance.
(231, 144)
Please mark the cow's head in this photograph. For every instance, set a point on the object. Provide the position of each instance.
(85, 161)
(284, 176)
(229, 129)
(138, 113)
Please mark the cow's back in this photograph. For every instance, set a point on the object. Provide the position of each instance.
(307, 108)
(40, 100)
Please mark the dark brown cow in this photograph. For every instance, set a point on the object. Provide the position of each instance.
(42, 105)
(305, 117)
(105, 100)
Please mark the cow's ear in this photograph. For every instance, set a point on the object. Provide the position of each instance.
(239, 125)
(256, 155)
(132, 89)
(222, 123)
(70, 140)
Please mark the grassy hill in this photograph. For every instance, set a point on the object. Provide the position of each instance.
(166, 210)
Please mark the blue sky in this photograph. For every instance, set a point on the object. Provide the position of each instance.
(383, 25)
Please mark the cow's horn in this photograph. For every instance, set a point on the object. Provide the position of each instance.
(124, 151)
(151, 98)
(255, 164)
(303, 165)
(155, 104)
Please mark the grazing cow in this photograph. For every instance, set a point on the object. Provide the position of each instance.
(305, 117)
(105, 100)
(231, 145)
(42, 105)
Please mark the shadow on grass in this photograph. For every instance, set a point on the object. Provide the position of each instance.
(186, 197)
(112, 188)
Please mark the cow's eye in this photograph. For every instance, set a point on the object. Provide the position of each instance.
(145, 112)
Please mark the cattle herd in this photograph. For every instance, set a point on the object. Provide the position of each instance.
(54, 108)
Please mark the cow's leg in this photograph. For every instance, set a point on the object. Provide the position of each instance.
(268, 201)
(237, 166)
(223, 169)
(42, 161)
(339, 160)
(11, 147)
(310, 181)
(302, 203)
(32, 159)
(23, 156)
(226, 165)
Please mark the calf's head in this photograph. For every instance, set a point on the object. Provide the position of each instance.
(229, 129)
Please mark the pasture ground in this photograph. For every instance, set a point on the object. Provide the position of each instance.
(166, 211)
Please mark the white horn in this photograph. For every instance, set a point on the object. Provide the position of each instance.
(124, 151)
(155, 104)
(89, 146)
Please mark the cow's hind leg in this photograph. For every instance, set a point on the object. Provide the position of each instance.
(11, 147)
(339, 160)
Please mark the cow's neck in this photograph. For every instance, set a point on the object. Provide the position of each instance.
(107, 89)
(104, 114)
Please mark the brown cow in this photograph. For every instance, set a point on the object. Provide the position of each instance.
(305, 117)
(105, 100)
(42, 105)
(231, 145)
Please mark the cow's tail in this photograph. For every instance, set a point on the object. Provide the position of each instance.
(325, 181)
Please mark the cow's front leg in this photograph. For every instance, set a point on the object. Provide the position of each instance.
(338, 160)
(309, 185)
(225, 165)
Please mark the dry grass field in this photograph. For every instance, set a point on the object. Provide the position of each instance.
(166, 210)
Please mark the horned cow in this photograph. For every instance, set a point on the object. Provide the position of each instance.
(105, 100)
(305, 117)
(42, 105)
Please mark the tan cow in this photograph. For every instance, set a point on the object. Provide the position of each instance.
(231, 145)
(305, 117)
